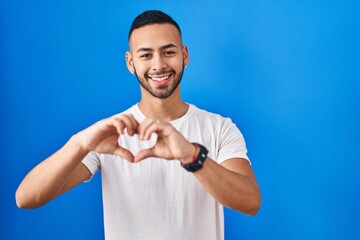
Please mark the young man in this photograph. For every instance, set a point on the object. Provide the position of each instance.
(168, 168)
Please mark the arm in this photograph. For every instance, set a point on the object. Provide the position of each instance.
(232, 183)
(52, 177)
(64, 170)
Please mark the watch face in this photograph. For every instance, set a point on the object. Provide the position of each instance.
(192, 167)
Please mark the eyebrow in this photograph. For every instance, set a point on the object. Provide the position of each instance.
(144, 49)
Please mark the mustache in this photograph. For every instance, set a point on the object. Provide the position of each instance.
(164, 72)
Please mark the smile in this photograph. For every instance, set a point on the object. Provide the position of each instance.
(160, 80)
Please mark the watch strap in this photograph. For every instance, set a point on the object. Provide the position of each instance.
(198, 161)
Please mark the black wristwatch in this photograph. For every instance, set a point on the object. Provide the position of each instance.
(198, 161)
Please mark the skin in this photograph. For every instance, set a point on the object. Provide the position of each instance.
(157, 58)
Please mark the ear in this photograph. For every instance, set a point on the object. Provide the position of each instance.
(185, 55)
(129, 62)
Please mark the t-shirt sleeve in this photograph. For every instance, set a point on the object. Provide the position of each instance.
(231, 143)
(92, 162)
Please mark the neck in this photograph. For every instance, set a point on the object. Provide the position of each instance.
(167, 109)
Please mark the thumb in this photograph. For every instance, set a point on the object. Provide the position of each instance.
(141, 155)
(124, 153)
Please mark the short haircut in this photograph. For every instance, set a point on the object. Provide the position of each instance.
(151, 17)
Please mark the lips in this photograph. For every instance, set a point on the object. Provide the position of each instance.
(160, 80)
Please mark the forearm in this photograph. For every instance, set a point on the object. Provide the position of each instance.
(231, 189)
(47, 180)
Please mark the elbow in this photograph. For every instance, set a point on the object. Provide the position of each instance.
(254, 208)
(19, 199)
(250, 205)
(254, 201)
(255, 204)
(23, 201)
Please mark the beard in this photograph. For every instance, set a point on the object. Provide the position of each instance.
(161, 92)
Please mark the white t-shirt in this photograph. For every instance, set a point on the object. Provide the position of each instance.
(157, 199)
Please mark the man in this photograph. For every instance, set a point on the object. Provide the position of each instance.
(167, 166)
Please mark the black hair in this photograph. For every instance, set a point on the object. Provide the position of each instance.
(151, 17)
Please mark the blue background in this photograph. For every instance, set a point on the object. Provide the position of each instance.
(286, 72)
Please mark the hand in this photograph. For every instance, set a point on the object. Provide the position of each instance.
(102, 137)
(170, 143)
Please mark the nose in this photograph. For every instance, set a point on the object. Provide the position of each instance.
(159, 63)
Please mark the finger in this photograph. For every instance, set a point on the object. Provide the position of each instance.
(135, 123)
(117, 124)
(109, 126)
(130, 123)
(152, 127)
(141, 155)
(162, 129)
(143, 126)
(124, 153)
(122, 121)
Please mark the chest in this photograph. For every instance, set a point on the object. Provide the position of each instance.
(152, 178)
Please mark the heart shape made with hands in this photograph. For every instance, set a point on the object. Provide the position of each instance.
(134, 144)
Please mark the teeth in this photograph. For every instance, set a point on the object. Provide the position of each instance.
(159, 79)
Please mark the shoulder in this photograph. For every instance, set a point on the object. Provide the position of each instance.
(220, 125)
(130, 110)
(208, 116)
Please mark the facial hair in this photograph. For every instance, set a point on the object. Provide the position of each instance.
(163, 91)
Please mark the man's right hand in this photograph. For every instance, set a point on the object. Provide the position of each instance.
(63, 170)
(102, 137)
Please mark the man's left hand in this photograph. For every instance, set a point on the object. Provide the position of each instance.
(170, 143)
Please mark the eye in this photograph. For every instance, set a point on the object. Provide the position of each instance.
(146, 55)
(169, 53)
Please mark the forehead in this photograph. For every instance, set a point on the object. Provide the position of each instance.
(154, 36)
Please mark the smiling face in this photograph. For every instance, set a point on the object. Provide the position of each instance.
(157, 58)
